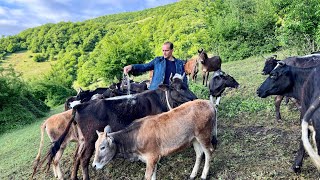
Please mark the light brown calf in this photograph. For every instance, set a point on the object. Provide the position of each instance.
(55, 126)
(150, 138)
(191, 68)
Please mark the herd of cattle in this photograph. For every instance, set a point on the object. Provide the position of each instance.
(127, 120)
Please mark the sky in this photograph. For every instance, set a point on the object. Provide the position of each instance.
(18, 15)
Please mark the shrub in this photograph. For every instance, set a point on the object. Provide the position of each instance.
(18, 106)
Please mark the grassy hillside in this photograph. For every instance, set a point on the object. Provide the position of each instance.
(251, 144)
(22, 62)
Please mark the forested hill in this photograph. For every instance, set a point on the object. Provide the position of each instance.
(96, 49)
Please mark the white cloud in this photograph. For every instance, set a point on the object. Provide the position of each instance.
(2, 11)
(30, 13)
(8, 22)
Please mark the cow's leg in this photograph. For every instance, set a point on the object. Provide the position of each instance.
(56, 162)
(198, 149)
(207, 149)
(277, 102)
(151, 167)
(154, 174)
(85, 160)
(76, 161)
(296, 167)
(287, 100)
(207, 76)
(78, 153)
(203, 77)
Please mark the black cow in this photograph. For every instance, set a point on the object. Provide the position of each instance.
(296, 61)
(119, 112)
(219, 82)
(301, 84)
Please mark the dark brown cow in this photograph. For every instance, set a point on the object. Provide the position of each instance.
(208, 65)
(150, 138)
(296, 61)
(119, 112)
(299, 83)
(191, 68)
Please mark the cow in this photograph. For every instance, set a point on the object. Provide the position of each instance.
(208, 65)
(297, 61)
(69, 100)
(55, 126)
(150, 138)
(295, 82)
(191, 68)
(84, 96)
(119, 112)
(218, 83)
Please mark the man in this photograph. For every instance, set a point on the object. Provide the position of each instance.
(162, 66)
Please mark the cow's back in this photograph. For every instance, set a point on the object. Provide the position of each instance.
(213, 63)
(303, 61)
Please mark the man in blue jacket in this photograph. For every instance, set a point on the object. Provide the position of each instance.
(162, 66)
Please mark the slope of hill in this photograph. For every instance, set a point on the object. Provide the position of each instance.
(23, 63)
(252, 145)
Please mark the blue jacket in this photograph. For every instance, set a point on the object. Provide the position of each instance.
(158, 65)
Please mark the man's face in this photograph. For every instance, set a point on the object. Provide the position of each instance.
(166, 51)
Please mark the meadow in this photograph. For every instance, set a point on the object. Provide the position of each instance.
(252, 145)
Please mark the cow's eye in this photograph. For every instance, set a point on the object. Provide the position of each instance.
(102, 148)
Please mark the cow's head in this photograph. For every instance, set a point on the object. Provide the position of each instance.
(178, 91)
(105, 149)
(279, 81)
(83, 95)
(270, 64)
(219, 81)
(202, 56)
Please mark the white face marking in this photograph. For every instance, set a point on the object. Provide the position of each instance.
(177, 76)
(74, 103)
(121, 97)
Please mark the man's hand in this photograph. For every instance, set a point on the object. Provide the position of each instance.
(126, 69)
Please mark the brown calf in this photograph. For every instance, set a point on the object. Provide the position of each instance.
(192, 68)
(55, 126)
(150, 138)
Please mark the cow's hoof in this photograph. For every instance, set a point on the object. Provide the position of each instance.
(296, 169)
(214, 142)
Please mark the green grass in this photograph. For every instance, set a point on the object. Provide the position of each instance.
(252, 145)
(22, 62)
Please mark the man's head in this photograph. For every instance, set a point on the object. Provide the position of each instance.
(167, 50)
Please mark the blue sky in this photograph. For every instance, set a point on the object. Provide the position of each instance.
(17, 15)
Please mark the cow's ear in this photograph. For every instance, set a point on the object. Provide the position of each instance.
(163, 87)
(107, 129)
(97, 132)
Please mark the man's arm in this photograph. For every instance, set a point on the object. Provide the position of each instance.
(140, 67)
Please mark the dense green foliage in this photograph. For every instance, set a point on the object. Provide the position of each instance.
(18, 104)
(92, 53)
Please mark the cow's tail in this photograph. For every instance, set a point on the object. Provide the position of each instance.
(305, 138)
(37, 160)
(57, 144)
